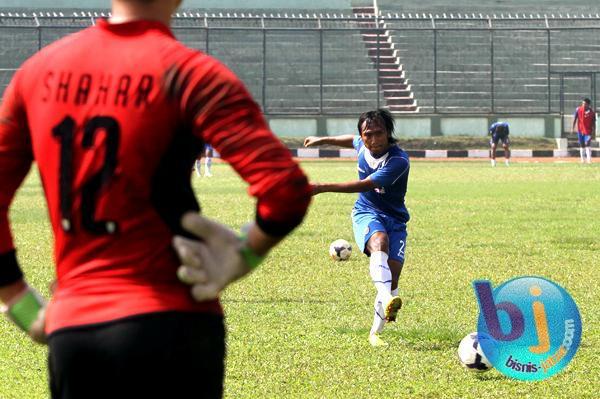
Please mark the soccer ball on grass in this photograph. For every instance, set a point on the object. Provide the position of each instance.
(340, 250)
(471, 355)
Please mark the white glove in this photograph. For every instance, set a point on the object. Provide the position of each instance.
(214, 262)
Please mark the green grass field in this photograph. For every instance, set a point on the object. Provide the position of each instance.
(298, 326)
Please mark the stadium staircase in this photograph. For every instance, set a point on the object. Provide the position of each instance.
(381, 50)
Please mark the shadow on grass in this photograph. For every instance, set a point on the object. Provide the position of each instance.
(582, 243)
(490, 376)
(418, 339)
(280, 300)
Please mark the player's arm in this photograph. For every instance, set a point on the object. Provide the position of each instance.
(221, 110)
(575, 117)
(344, 140)
(358, 186)
(19, 301)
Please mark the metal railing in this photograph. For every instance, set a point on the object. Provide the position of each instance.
(319, 64)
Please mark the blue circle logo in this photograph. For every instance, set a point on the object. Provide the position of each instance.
(533, 324)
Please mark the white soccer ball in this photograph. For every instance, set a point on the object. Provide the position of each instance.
(471, 355)
(340, 250)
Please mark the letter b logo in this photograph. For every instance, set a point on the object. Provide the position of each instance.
(489, 310)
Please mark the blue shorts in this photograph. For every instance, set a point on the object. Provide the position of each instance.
(365, 223)
(584, 139)
(500, 137)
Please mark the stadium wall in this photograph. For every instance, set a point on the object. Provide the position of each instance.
(416, 125)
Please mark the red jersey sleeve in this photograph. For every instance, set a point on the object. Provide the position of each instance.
(221, 111)
(15, 161)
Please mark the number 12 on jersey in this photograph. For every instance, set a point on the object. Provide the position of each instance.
(65, 133)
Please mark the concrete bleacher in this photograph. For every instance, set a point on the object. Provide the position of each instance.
(470, 52)
(478, 65)
(284, 49)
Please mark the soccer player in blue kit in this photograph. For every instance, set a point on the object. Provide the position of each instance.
(499, 132)
(208, 156)
(379, 215)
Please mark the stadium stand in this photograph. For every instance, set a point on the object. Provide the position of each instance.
(487, 56)
(343, 61)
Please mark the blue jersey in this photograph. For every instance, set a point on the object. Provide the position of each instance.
(499, 128)
(390, 173)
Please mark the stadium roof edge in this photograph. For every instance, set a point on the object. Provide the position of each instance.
(187, 14)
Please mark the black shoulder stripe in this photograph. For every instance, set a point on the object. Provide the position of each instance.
(170, 81)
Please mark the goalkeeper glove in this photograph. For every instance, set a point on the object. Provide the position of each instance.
(27, 310)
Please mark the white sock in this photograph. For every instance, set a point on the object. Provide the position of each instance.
(395, 292)
(493, 162)
(207, 165)
(381, 275)
(378, 317)
(588, 154)
(506, 162)
(581, 151)
(197, 167)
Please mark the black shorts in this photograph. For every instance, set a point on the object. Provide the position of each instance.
(157, 355)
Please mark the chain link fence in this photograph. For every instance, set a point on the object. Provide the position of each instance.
(312, 64)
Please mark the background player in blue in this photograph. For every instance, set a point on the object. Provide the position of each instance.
(379, 216)
(500, 132)
(208, 155)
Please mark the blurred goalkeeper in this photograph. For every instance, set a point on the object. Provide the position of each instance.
(114, 116)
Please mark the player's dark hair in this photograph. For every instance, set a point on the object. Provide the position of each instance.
(502, 129)
(587, 101)
(382, 115)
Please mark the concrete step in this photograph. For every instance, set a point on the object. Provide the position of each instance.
(391, 73)
(394, 86)
(366, 24)
(370, 36)
(371, 41)
(383, 52)
(363, 10)
(573, 143)
(397, 93)
(399, 100)
(403, 108)
(391, 79)
(384, 60)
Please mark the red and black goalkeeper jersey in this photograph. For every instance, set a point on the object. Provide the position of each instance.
(114, 116)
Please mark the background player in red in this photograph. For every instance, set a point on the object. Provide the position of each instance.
(585, 120)
(114, 117)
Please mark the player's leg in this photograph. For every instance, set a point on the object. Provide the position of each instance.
(581, 139)
(384, 273)
(506, 147)
(208, 156)
(493, 145)
(397, 246)
(371, 238)
(159, 355)
(588, 148)
(197, 166)
(381, 274)
(506, 154)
